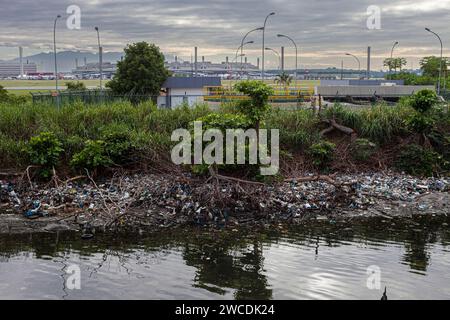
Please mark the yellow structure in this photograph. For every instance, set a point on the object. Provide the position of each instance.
(288, 94)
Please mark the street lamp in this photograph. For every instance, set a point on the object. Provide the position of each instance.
(100, 57)
(278, 54)
(440, 65)
(242, 51)
(263, 43)
(56, 63)
(296, 52)
(359, 63)
(392, 54)
(245, 37)
(54, 51)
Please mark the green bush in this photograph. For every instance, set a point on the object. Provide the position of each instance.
(423, 100)
(416, 160)
(45, 151)
(75, 86)
(93, 156)
(362, 149)
(322, 153)
(118, 144)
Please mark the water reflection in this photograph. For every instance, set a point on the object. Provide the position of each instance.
(325, 260)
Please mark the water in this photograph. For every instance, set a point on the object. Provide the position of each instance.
(320, 261)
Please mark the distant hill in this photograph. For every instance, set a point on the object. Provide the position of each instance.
(66, 59)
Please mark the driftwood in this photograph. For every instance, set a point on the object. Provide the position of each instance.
(336, 126)
(217, 176)
(326, 178)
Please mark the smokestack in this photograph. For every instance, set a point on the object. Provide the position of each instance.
(176, 58)
(246, 60)
(85, 61)
(368, 62)
(21, 60)
(282, 59)
(257, 63)
(76, 63)
(203, 59)
(195, 61)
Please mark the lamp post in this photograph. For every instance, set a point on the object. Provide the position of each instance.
(264, 44)
(440, 65)
(100, 57)
(54, 50)
(359, 63)
(278, 54)
(242, 50)
(392, 54)
(296, 53)
(243, 40)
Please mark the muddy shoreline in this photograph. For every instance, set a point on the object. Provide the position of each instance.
(147, 203)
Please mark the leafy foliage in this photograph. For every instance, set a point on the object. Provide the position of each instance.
(142, 71)
(423, 100)
(75, 86)
(322, 153)
(363, 149)
(416, 160)
(93, 156)
(430, 65)
(257, 107)
(45, 150)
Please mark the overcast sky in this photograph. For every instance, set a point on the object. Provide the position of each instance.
(323, 29)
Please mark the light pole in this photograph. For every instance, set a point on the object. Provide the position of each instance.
(245, 37)
(440, 65)
(264, 44)
(359, 63)
(54, 51)
(392, 54)
(278, 54)
(242, 50)
(100, 57)
(296, 53)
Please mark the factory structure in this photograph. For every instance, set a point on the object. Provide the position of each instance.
(17, 70)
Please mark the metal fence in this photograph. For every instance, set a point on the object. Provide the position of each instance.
(87, 97)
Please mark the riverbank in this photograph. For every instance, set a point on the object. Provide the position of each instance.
(145, 203)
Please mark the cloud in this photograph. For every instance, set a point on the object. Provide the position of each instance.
(323, 29)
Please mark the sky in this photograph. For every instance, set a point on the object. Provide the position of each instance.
(324, 30)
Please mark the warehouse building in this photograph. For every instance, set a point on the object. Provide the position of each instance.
(8, 69)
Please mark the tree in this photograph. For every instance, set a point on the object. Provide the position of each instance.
(284, 79)
(142, 71)
(395, 63)
(257, 107)
(430, 65)
(75, 86)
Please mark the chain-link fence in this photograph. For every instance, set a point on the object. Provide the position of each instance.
(87, 97)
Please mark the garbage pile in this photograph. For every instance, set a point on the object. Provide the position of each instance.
(156, 201)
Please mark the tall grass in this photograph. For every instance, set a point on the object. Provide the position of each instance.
(379, 123)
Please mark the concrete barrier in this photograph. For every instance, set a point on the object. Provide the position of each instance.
(369, 91)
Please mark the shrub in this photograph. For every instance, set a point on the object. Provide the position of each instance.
(423, 100)
(416, 160)
(118, 144)
(257, 107)
(45, 150)
(92, 156)
(75, 86)
(322, 153)
(362, 149)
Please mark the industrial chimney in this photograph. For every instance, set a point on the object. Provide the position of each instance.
(368, 62)
(21, 60)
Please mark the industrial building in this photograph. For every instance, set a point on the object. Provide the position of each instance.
(9, 69)
(185, 90)
(92, 70)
